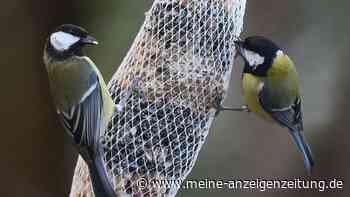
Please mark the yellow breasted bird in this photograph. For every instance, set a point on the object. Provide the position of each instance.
(271, 88)
(80, 94)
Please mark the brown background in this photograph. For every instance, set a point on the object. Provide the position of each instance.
(37, 159)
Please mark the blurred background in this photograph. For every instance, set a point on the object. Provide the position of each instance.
(38, 160)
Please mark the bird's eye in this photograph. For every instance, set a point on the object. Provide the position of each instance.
(253, 58)
(62, 41)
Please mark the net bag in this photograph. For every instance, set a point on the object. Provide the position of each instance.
(167, 91)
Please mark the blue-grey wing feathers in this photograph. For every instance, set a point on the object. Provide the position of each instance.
(292, 118)
(83, 120)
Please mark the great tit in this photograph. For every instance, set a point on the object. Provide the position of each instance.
(271, 88)
(80, 94)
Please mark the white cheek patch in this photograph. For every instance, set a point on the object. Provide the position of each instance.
(61, 41)
(254, 59)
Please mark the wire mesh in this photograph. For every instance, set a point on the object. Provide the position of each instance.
(167, 91)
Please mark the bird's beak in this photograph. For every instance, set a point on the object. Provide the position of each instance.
(89, 40)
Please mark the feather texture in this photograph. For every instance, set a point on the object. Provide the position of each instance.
(290, 117)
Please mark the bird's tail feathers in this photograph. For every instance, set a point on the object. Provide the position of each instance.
(101, 185)
(304, 148)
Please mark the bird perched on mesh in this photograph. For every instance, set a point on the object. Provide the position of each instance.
(271, 88)
(83, 103)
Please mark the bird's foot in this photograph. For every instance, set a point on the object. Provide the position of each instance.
(243, 108)
(221, 108)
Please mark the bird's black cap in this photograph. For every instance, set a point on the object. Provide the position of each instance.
(261, 46)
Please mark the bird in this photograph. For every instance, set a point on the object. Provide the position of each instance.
(271, 89)
(81, 97)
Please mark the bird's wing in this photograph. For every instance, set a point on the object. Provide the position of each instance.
(83, 120)
(289, 116)
(292, 118)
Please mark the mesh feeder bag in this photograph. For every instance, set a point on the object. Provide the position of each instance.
(167, 91)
